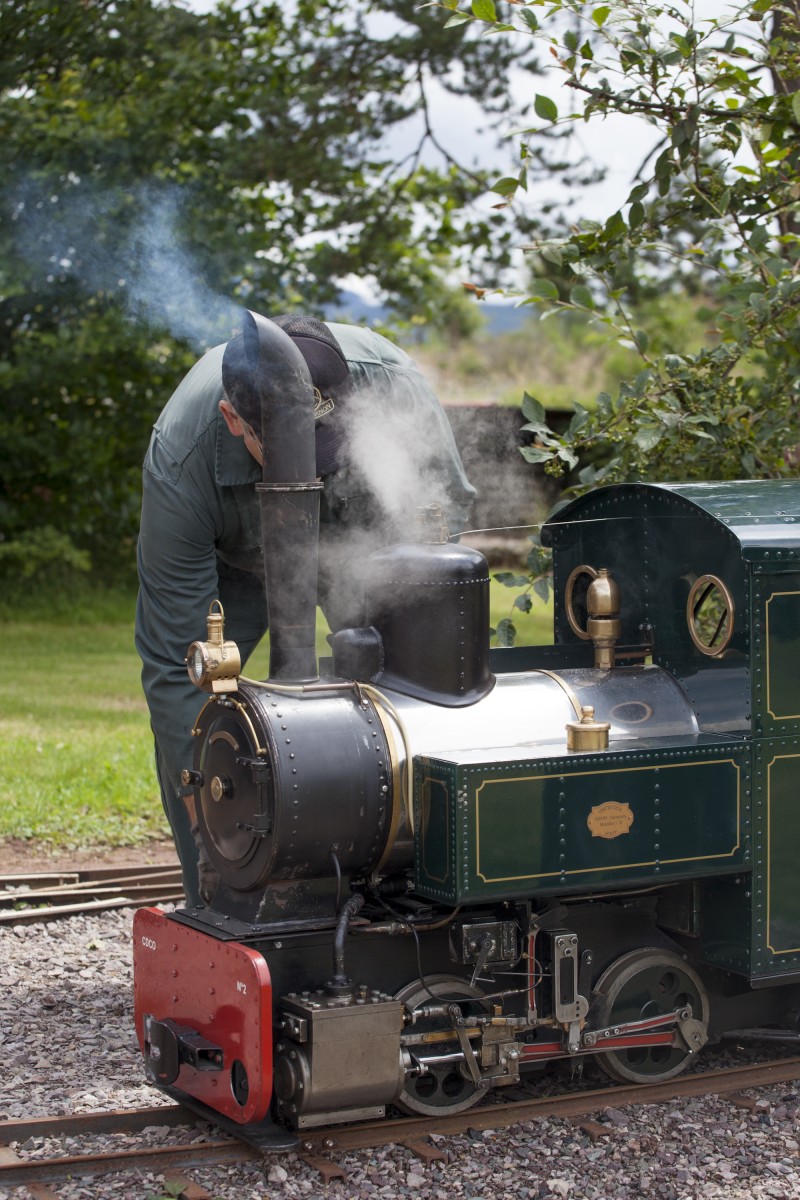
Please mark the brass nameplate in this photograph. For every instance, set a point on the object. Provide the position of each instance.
(610, 820)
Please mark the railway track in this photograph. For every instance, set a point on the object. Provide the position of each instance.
(321, 1148)
(46, 896)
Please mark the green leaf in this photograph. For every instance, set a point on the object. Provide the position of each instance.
(615, 226)
(530, 19)
(457, 19)
(636, 215)
(506, 186)
(796, 106)
(544, 289)
(509, 579)
(642, 341)
(536, 454)
(641, 381)
(523, 603)
(579, 419)
(539, 560)
(533, 410)
(553, 254)
(647, 437)
(581, 296)
(545, 108)
(600, 16)
(543, 587)
(484, 10)
(505, 633)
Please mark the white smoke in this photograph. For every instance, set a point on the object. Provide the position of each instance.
(84, 234)
(396, 455)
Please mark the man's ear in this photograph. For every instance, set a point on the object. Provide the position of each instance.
(231, 418)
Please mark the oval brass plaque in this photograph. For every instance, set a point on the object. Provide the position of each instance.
(609, 820)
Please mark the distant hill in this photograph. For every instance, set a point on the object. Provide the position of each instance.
(500, 318)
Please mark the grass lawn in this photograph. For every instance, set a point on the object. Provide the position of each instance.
(74, 730)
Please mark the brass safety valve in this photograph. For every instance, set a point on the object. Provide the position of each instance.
(587, 734)
(603, 626)
(214, 665)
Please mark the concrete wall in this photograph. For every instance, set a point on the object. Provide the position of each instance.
(510, 490)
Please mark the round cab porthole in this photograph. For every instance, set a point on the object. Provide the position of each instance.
(709, 615)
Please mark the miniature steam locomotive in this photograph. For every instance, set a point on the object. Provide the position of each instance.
(442, 866)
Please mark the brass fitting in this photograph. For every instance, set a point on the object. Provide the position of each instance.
(603, 625)
(214, 665)
(587, 734)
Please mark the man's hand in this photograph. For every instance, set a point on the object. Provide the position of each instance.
(208, 879)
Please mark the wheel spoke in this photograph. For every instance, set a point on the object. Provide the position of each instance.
(445, 1087)
(646, 983)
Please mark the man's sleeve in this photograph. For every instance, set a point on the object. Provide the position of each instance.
(178, 580)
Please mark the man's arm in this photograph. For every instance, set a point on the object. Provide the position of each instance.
(178, 580)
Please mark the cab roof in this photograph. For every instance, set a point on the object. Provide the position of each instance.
(762, 514)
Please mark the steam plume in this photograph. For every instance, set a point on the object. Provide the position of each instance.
(87, 235)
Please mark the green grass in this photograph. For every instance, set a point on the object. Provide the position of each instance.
(77, 750)
(75, 735)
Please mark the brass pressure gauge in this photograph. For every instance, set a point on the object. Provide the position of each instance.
(214, 665)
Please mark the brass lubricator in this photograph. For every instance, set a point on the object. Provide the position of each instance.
(214, 665)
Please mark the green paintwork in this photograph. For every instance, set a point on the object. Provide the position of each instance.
(496, 830)
(763, 513)
(657, 540)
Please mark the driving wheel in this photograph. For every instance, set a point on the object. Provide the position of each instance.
(641, 984)
(446, 1086)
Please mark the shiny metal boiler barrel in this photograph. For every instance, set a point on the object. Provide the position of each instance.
(286, 775)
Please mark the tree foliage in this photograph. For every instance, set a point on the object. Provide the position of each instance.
(160, 165)
(711, 219)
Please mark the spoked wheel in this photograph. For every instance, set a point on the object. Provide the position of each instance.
(646, 983)
(447, 1086)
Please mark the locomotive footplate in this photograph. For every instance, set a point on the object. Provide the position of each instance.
(266, 1136)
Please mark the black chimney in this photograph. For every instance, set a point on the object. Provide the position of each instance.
(289, 496)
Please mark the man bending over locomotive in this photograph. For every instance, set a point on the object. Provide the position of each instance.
(383, 446)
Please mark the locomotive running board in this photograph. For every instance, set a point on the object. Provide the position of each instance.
(265, 1135)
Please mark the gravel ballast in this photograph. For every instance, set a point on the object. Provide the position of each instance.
(68, 1046)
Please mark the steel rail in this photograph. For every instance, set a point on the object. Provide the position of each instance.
(25, 899)
(317, 1145)
(18, 1172)
(576, 1104)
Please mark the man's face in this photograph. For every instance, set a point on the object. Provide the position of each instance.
(252, 443)
(240, 428)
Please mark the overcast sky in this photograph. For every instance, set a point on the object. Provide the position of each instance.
(619, 144)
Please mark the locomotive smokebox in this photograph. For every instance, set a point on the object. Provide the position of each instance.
(427, 630)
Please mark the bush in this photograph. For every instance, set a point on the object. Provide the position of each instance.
(43, 557)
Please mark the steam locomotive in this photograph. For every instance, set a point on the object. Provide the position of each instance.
(443, 866)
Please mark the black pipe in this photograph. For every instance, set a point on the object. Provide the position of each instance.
(350, 909)
(288, 494)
